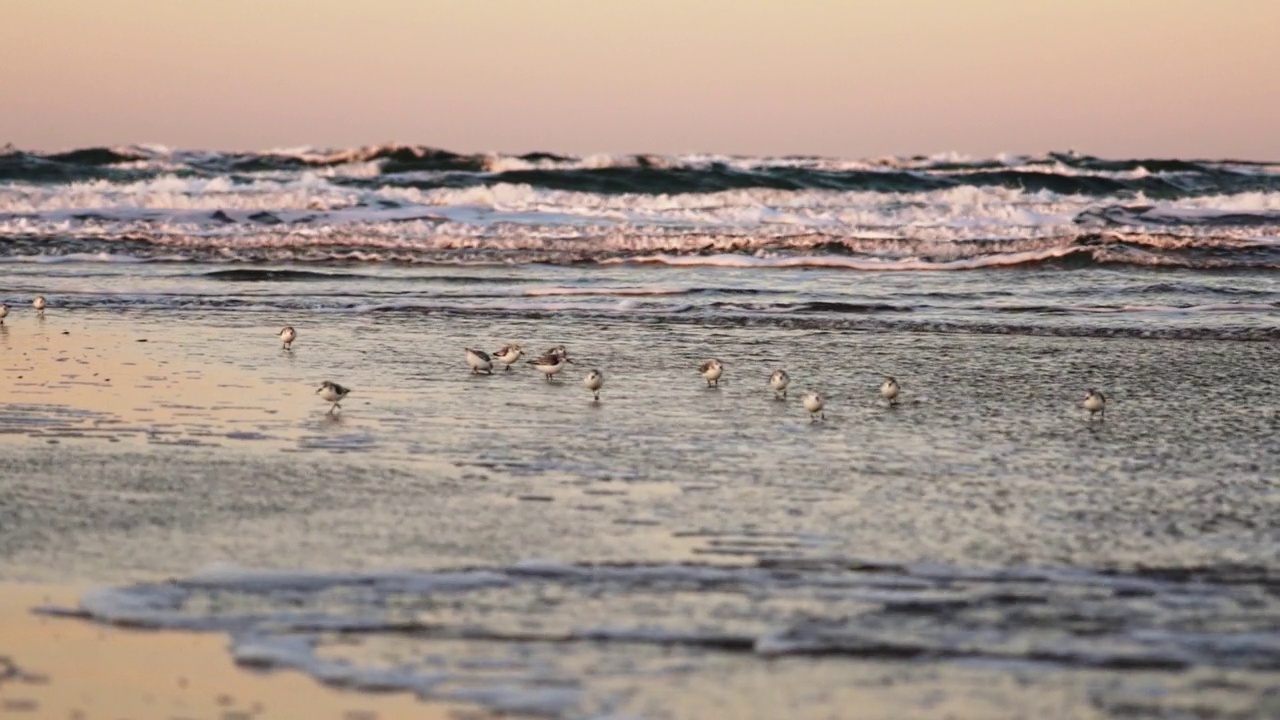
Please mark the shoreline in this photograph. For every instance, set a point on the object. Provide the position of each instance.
(64, 667)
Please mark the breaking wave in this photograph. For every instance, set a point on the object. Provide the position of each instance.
(427, 167)
(412, 204)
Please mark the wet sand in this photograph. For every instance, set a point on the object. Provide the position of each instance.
(126, 462)
(61, 667)
(100, 387)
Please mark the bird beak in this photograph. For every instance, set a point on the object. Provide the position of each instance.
(570, 361)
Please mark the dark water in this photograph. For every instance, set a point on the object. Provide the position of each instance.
(983, 550)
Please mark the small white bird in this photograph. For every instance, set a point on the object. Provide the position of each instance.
(594, 381)
(890, 389)
(287, 336)
(509, 355)
(550, 364)
(779, 381)
(712, 370)
(813, 403)
(4, 312)
(479, 361)
(1095, 402)
(39, 304)
(332, 392)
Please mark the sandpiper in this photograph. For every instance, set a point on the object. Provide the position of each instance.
(1095, 402)
(593, 381)
(4, 312)
(813, 403)
(39, 304)
(509, 355)
(287, 336)
(890, 389)
(479, 361)
(550, 364)
(779, 381)
(712, 370)
(332, 392)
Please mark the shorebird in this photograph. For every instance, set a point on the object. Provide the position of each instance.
(1095, 402)
(813, 403)
(712, 370)
(779, 381)
(550, 364)
(39, 304)
(287, 336)
(479, 361)
(332, 392)
(890, 389)
(4, 312)
(594, 381)
(509, 355)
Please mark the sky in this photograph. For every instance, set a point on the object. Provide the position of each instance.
(1117, 78)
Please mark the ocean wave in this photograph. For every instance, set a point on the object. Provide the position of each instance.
(170, 205)
(428, 167)
(410, 204)
(1131, 215)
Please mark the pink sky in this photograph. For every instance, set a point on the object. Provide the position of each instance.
(1110, 77)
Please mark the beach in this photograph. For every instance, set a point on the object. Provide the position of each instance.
(67, 668)
(178, 501)
(195, 477)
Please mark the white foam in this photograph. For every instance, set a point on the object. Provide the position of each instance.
(78, 258)
(308, 200)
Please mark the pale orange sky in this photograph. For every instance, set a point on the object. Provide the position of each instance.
(1110, 77)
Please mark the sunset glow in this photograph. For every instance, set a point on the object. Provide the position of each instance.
(1145, 77)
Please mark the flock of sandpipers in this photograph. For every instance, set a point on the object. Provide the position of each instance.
(554, 360)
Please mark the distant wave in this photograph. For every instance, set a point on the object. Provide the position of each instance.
(430, 168)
